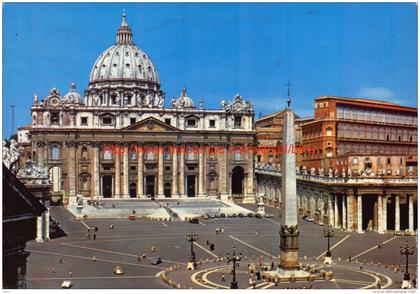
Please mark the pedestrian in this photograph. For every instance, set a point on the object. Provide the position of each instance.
(378, 284)
(94, 258)
(53, 269)
(88, 236)
(207, 242)
(349, 258)
(61, 260)
(177, 203)
(96, 229)
(138, 258)
(113, 205)
(223, 278)
(211, 247)
(153, 249)
(258, 274)
(70, 274)
(272, 265)
(134, 212)
(256, 233)
(94, 236)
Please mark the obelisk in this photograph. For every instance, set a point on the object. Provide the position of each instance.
(289, 232)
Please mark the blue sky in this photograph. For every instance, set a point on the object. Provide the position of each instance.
(217, 50)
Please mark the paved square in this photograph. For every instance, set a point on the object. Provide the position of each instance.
(252, 237)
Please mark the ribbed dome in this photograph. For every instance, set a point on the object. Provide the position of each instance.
(124, 60)
(184, 101)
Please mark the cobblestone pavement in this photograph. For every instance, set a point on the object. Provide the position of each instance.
(91, 262)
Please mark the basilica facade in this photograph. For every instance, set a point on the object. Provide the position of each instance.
(118, 140)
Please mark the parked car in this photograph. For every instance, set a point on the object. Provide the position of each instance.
(222, 215)
(66, 285)
(234, 215)
(194, 221)
(258, 215)
(251, 214)
(217, 215)
(156, 261)
(240, 214)
(118, 270)
(206, 216)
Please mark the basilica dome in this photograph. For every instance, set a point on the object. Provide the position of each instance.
(124, 61)
(184, 101)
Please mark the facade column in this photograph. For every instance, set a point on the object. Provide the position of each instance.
(181, 182)
(410, 213)
(40, 154)
(39, 228)
(350, 212)
(397, 213)
(249, 193)
(380, 216)
(344, 213)
(160, 174)
(95, 171)
(72, 170)
(359, 214)
(331, 221)
(200, 172)
(224, 196)
(140, 167)
(335, 210)
(117, 173)
(174, 174)
(126, 193)
(384, 213)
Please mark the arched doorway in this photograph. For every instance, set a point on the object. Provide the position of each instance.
(133, 190)
(237, 180)
(167, 190)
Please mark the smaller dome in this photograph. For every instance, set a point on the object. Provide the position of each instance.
(184, 101)
(72, 96)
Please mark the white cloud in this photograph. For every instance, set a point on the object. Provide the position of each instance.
(376, 93)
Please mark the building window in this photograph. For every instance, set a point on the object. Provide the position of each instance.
(389, 161)
(167, 121)
(191, 122)
(132, 167)
(329, 131)
(355, 161)
(132, 120)
(55, 152)
(401, 161)
(237, 122)
(167, 168)
(107, 120)
(55, 118)
(212, 123)
(150, 155)
(107, 154)
(84, 121)
(387, 137)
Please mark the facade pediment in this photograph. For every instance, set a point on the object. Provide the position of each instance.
(151, 124)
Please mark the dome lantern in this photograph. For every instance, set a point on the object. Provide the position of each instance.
(124, 35)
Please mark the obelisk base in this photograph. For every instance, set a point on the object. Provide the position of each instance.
(289, 246)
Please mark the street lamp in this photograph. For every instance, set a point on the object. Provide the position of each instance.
(328, 234)
(235, 258)
(192, 262)
(407, 251)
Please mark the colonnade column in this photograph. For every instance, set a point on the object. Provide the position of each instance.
(160, 173)
(410, 213)
(174, 174)
(344, 212)
(126, 193)
(181, 182)
(350, 212)
(359, 215)
(380, 215)
(140, 168)
(39, 228)
(95, 170)
(331, 221)
(117, 173)
(335, 210)
(384, 213)
(46, 216)
(397, 213)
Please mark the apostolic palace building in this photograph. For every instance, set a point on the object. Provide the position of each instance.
(77, 136)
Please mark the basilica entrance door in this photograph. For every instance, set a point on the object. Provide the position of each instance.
(191, 186)
(150, 186)
(107, 186)
(133, 190)
(167, 190)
